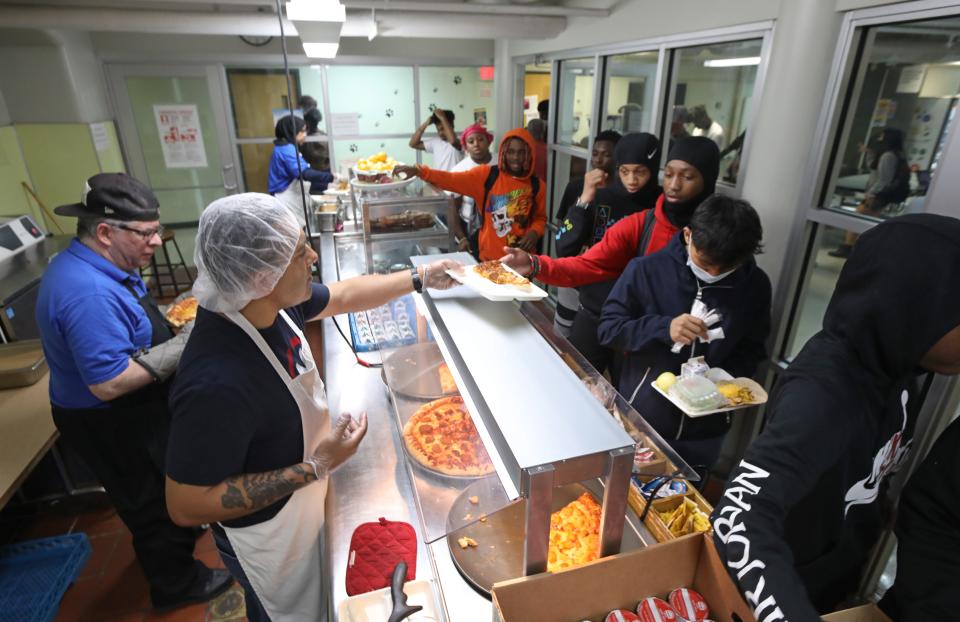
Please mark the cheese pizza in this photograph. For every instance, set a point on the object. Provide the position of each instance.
(496, 272)
(182, 312)
(441, 437)
(447, 384)
(574, 534)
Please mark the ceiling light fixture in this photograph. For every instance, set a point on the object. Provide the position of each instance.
(321, 50)
(319, 23)
(732, 62)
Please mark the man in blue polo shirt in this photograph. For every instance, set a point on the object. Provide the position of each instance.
(111, 354)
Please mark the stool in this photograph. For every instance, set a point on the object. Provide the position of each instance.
(168, 267)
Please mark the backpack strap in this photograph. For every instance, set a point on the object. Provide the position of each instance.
(647, 232)
(487, 185)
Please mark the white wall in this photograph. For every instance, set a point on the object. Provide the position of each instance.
(56, 81)
(4, 113)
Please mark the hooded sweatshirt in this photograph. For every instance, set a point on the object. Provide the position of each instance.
(928, 537)
(585, 227)
(636, 319)
(800, 513)
(511, 209)
(606, 259)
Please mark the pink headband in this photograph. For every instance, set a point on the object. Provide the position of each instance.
(475, 129)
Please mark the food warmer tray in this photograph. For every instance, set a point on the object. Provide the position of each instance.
(498, 555)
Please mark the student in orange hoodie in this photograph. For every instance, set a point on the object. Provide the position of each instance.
(513, 198)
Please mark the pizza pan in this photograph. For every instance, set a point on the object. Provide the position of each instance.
(412, 371)
(432, 473)
(498, 555)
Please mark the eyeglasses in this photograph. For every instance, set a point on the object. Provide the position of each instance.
(146, 236)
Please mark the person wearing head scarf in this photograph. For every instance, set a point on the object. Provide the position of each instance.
(315, 151)
(689, 177)
(802, 511)
(514, 207)
(465, 221)
(888, 183)
(251, 443)
(604, 201)
(286, 163)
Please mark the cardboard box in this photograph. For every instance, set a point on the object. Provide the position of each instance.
(866, 613)
(593, 590)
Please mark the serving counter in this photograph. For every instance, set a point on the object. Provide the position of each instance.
(566, 428)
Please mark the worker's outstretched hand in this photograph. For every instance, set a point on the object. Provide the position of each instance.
(340, 443)
(435, 275)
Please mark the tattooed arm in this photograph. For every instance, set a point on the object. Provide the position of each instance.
(235, 497)
(244, 494)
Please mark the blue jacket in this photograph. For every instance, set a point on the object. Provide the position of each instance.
(283, 170)
(636, 319)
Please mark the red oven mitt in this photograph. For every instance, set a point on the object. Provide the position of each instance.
(375, 550)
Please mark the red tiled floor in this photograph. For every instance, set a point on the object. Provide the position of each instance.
(102, 551)
(193, 613)
(99, 523)
(205, 543)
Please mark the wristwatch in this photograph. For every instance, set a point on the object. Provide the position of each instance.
(417, 281)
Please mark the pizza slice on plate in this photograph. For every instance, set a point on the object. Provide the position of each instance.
(498, 273)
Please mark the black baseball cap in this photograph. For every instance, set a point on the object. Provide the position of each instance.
(114, 195)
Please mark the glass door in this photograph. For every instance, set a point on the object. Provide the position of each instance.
(174, 129)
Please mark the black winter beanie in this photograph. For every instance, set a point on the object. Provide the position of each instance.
(703, 154)
(638, 148)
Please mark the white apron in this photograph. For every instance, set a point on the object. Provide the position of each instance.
(282, 556)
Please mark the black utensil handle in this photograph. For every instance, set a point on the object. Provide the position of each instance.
(401, 609)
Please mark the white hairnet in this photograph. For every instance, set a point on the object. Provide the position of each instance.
(244, 244)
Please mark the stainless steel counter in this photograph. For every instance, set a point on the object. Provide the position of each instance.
(376, 481)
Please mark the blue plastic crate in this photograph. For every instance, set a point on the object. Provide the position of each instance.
(35, 574)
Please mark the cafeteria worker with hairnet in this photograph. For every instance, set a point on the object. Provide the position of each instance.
(251, 445)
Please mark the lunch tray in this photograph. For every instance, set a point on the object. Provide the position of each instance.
(389, 326)
(35, 574)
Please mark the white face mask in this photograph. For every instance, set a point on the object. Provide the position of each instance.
(702, 274)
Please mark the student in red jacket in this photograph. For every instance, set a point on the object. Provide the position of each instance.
(513, 198)
(690, 176)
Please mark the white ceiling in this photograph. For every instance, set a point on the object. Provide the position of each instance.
(475, 19)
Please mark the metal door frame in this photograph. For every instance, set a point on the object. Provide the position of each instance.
(116, 76)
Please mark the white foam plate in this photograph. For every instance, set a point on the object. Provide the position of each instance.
(493, 291)
(376, 606)
(760, 397)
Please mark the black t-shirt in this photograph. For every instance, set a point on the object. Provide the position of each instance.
(231, 413)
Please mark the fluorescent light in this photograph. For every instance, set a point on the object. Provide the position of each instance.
(321, 50)
(316, 11)
(732, 62)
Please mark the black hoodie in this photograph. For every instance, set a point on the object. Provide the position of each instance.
(800, 513)
(585, 227)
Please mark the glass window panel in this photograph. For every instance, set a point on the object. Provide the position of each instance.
(348, 151)
(713, 94)
(908, 81)
(628, 92)
(536, 90)
(258, 97)
(381, 96)
(575, 108)
(459, 90)
(820, 279)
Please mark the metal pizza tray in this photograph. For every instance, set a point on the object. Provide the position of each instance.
(500, 539)
(412, 371)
